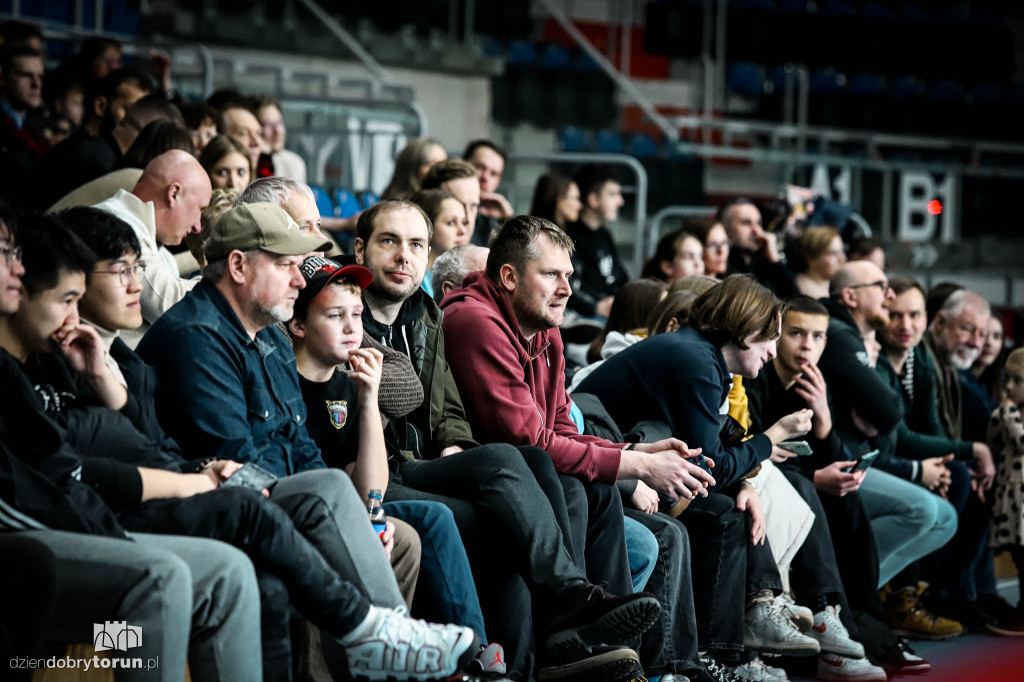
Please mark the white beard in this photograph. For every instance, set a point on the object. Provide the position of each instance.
(963, 357)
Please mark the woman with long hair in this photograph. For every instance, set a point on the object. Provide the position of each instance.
(677, 255)
(411, 165)
(556, 198)
(821, 255)
(228, 163)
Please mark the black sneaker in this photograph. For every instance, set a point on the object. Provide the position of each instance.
(713, 671)
(589, 616)
(995, 607)
(604, 664)
(1012, 626)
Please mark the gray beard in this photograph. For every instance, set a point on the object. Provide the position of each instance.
(958, 362)
(264, 316)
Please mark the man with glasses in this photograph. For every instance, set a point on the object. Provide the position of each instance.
(908, 521)
(164, 206)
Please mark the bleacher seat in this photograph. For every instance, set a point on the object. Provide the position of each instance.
(946, 90)
(876, 11)
(643, 146)
(323, 201)
(826, 81)
(572, 139)
(906, 87)
(609, 142)
(745, 78)
(866, 84)
(522, 53)
(346, 204)
(368, 199)
(555, 57)
(838, 8)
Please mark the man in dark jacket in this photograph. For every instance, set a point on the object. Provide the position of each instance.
(909, 522)
(752, 250)
(163, 584)
(392, 239)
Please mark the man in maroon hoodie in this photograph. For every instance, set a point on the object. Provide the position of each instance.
(506, 355)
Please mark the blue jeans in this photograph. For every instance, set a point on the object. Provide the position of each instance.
(447, 592)
(908, 521)
(642, 552)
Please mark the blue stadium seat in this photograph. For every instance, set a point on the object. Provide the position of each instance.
(826, 80)
(323, 201)
(913, 13)
(745, 78)
(572, 139)
(838, 8)
(555, 58)
(866, 84)
(643, 146)
(493, 48)
(347, 204)
(946, 90)
(986, 93)
(609, 142)
(906, 87)
(368, 199)
(794, 6)
(522, 53)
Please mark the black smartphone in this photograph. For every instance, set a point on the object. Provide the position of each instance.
(251, 476)
(864, 463)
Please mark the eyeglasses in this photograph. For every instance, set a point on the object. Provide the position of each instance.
(717, 246)
(125, 273)
(881, 284)
(11, 254)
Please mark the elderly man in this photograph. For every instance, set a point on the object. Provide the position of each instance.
(908, 521)
(164, 207)
(452, 266)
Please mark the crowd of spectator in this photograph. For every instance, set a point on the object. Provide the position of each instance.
(763, 446)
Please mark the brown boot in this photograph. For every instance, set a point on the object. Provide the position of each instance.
(907, 616)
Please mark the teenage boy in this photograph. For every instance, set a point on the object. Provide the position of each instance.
(822, 573)
(291, 568)
(187, 593)
(597, 270)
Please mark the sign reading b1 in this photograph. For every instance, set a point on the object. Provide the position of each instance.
(927, 204)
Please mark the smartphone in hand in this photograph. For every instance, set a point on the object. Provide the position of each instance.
(251, 476)
(800, 448)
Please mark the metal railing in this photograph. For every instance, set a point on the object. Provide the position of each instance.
(640, 189)
(654, 224)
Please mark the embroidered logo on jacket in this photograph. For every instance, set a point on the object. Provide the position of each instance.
(338, 410)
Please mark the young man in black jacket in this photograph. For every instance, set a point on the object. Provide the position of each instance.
(77, 390)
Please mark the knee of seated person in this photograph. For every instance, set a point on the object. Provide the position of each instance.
(407, 540)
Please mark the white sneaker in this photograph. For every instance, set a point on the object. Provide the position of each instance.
(756, 671)
(832, 636)
(389, 645)
(844, 669)
(802, 617)
(767, 629)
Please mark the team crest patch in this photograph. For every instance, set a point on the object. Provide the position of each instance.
(338, 410)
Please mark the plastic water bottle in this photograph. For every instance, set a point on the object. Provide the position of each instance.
(377, 516)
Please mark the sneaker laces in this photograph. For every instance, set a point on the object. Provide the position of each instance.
(778, 615)
(718, 671)
(831, 614)
(396, 629)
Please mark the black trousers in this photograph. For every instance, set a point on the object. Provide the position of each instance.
(719, 535)
(517, 517)
(290, 571)
(28, 571)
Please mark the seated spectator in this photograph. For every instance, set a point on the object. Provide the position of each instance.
(677, 255)
(21, 33)
(77, 161)
(247, 518)
(459, 178)
(715, 242)
(65, 100)
(451, 268)
(21, 91)
(98, 56)
(194, 260)
(820, 256)
(107, 100)
(163, 207)
(869, 249)
(598, 273)
(629, 316)
(752, 250)
(556, 198)
(450, 226)
(228, 163)
(287, 163)
(792, 381)
(242, 124)
(153, 140)
(296, 199)
(909, 522)
(202, 122)
(489, 159)
(412, 165)
(391, 241)
(988, 368)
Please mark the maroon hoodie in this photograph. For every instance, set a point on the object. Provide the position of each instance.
(513, 389)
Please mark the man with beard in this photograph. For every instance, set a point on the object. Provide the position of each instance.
(908, 521)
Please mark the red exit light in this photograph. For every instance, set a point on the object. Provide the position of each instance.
(935, 207)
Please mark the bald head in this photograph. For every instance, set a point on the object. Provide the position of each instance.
(179, 189)
(852, 274)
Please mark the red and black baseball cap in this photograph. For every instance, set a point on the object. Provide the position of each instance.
(319, 272)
